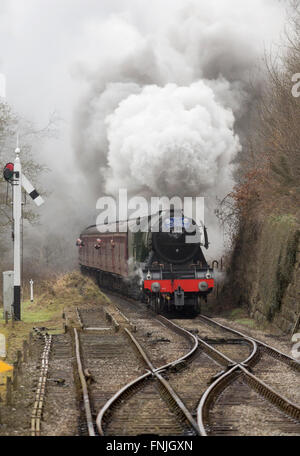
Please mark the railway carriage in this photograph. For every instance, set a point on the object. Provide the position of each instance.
(157, 259)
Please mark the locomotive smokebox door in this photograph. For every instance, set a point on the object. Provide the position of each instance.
(179, 297)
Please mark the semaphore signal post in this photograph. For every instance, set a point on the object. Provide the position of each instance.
(13, 174)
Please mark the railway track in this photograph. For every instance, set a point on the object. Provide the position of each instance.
(178, 422)
(238, 403)
(105, 362)
(218, 368)
(237, 389)
(234, 350)
(38, 405)
(238, 410)
(163, 344)
(263, 348)
(269, 364)
(239, 386)
(148, 404)
(60, 409)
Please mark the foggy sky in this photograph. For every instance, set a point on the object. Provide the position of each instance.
(61, 55)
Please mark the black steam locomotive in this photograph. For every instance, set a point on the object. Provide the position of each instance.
(157, 259)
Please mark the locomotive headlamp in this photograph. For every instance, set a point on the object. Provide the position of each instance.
(155, 287)
(208, 274)
(203, 286)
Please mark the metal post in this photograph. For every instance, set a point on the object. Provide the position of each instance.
(13, 174)
(15, 375)
(8, 391)
(31, 290)
(30, 344)
(25, 351)
(8, 293)
(17, 211)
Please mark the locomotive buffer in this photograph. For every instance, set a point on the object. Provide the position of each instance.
(13, 174)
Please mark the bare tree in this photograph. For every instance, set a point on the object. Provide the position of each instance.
(12, 126)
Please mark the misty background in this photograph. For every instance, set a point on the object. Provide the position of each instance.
(154, 98)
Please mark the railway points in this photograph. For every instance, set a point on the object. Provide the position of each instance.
(141, 373)
(220, 376)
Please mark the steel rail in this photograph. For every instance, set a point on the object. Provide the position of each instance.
(218, 356)
(79, 318)
(281, 402)
(117, 397)
(224, 360)
(223, 380)
(156, 373)
(36, 415)
(85, 394)
(211, 394)
(140, 351)
(215, 354)
(167, 387)
(237, 369)
(183, 332)
(275, 353)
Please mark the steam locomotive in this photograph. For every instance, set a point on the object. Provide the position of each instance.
(157, 259)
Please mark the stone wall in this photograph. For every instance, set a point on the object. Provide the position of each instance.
(290, 306)
(265, 272)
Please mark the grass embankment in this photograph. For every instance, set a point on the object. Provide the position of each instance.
(52, 298)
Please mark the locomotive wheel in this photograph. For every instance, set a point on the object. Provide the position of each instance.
(168, 306)
(158, 305)
(148, 302)
(163, 305)
(153, 303)
(197, 305)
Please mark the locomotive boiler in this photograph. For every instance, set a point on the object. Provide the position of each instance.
(157, 259)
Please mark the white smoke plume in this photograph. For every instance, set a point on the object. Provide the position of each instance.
(166, 110)
(170, 141)
(88, 60)
(162, 110)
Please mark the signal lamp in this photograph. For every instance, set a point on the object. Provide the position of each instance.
(8, 171)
